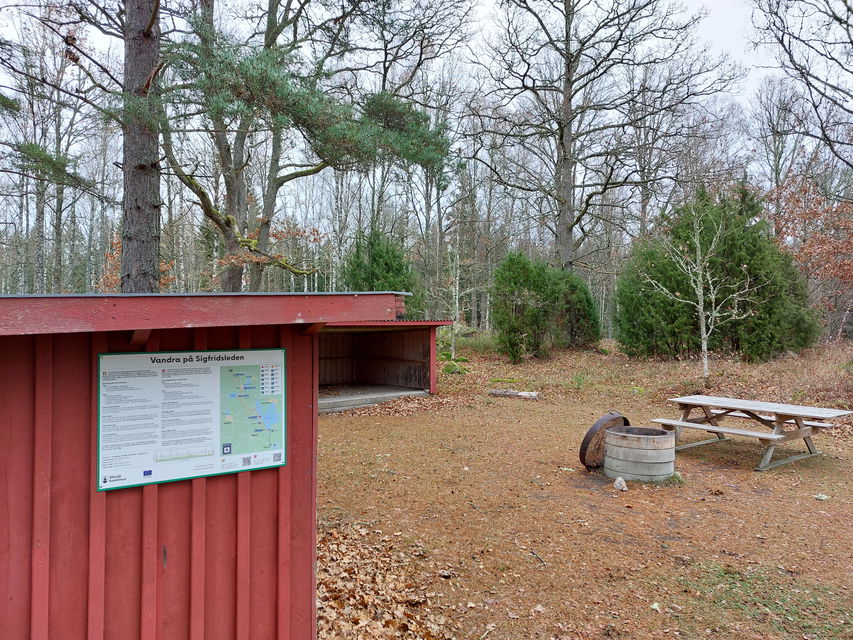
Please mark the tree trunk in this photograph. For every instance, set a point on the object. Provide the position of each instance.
(485, 322)
(23, 244)
(56, 259)
(38, 245)
(256, 269)
(141, 153)
(565, 165)
(510, 393)
(232, 275)
(58, 205)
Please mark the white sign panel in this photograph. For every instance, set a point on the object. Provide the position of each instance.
(179, 415)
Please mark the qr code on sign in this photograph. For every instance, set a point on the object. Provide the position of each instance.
(247, 461)
(276, 457)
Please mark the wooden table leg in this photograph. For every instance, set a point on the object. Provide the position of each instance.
(807, 439)
(711, 418)
(779, 427)
(686, 409)
(685, 413)
(764, 465)
(765, 460)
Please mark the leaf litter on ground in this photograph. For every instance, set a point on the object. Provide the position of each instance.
(367, 588)
(605, 566)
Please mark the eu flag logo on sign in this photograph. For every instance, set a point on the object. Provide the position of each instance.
(147, 472)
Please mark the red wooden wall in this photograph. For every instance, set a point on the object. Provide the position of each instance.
(225, 557)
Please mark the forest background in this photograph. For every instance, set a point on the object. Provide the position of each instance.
(283, 136)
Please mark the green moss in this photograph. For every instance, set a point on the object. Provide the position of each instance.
(674, 480)
(771, 597)
(454, 368)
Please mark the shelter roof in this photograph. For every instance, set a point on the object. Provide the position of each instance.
(26, 315)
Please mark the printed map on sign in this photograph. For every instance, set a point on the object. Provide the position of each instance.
(251, 408)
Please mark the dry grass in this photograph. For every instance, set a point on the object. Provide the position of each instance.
(497, 521)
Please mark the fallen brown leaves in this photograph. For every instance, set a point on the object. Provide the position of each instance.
(484, 482)
(408, 406)
(367, 588)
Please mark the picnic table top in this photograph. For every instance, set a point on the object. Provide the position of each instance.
(792, 410)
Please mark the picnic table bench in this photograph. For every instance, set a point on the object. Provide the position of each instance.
(786, 421)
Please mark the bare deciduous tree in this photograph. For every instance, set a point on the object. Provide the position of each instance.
(814, 40)
(716, 299)
(774, 115)
(563, 74)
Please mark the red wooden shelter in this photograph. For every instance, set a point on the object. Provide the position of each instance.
(224, 556)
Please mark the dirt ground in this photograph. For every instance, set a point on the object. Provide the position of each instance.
(470, 517)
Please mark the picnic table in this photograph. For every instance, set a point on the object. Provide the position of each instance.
(785, 421)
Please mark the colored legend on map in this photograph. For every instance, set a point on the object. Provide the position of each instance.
(270, 379)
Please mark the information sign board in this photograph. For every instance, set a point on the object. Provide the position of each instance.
(178, 415)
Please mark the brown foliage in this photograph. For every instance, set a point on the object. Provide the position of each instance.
(818, 231)
(251, 253)
(110, 279)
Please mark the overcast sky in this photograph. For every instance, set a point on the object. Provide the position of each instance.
(728, 29)
(728, 25)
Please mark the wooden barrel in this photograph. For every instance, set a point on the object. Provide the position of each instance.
(639, 453)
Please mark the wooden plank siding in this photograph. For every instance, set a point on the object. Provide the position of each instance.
(218, 558)
(223, 557)
(17, 375)
(400, 358)
(336, 358)
(403, 358)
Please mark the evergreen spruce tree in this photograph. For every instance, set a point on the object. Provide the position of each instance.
(376, 263)
(760, 306)
(576, 323)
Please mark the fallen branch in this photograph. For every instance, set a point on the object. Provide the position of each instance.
(509, 393)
